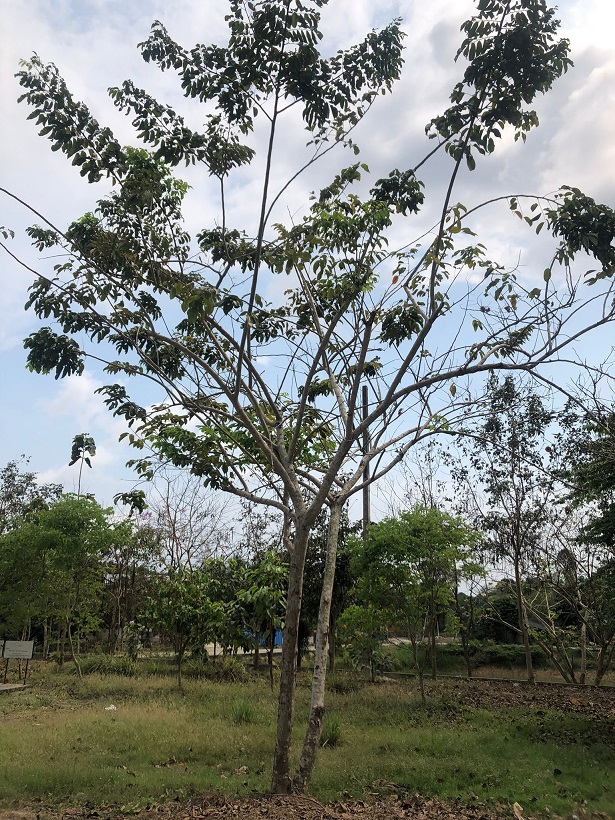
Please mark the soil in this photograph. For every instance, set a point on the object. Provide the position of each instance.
(597, 705)
(274, 807)
(590, 701)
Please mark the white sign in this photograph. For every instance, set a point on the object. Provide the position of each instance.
(18, 649)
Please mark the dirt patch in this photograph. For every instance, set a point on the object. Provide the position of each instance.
(276, 808)
(590, 701)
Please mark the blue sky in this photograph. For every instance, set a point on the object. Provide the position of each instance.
(93, 43)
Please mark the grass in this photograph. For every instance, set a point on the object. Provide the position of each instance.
(331, 732)
(243, 712)
(60, 743)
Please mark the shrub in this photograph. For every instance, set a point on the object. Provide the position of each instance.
(227, 669)
(196, 668)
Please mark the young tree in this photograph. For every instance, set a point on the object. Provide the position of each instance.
(507, 485)
(263, 383)
(261, 596)
(83, 450)
(185, 606)
(407, 568)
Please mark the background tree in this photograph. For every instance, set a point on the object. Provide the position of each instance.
(184, 606)
(355, 312)
(507, 486)
(130, 565)
(21, 496)
(261, 595)
(54, 566)
(312, 584)
(406, 568)
(365, 629)
(192, 523)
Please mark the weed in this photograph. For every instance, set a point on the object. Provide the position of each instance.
(331, 732)
(242, 712)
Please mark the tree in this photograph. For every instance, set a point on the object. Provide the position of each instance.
(582, 572)
(365, 629)
(195, 319)
(261, 596)
(129, 564)
(185, 607)
(83, 449)
(590, 444)
(406, 568)
(20, 495)
(54, 570)
(507, 484)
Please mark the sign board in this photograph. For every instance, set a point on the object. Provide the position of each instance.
(18, 649)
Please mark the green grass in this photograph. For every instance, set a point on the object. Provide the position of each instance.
(331, 733)
(59, 743)
(243, 712)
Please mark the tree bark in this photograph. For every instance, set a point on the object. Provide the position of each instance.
(523, 623)
(583, 642)
(605, 656)
(311, 741)
(281, 779)
(332, 644)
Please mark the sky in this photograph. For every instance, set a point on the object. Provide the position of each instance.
(93, 43)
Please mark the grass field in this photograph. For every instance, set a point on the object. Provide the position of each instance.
(61, 742)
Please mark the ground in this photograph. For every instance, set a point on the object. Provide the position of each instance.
(276, 808)
(387, 801)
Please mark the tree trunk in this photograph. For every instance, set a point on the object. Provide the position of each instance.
(332, 644)
(281, 780)
(61, 642)
(46, 631)
(270, 653)
(603, 662)
(583, 642)
(311, 741)
(434, 624)
(180, 657)
(523, 624)
(73, 656)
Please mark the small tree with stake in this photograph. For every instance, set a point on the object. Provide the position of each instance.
(83, 449)
(200, 320)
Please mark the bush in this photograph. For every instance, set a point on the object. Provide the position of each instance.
(508, 656)
(344, 683)
(195, 668)
(227, 669)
